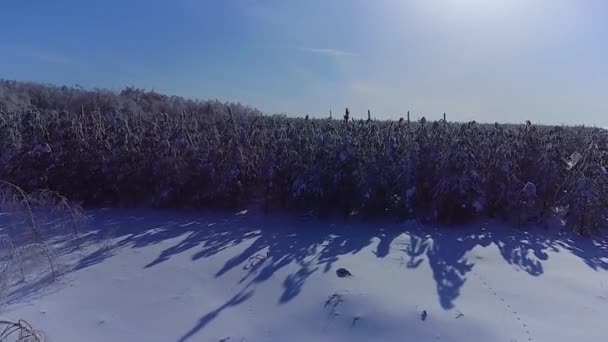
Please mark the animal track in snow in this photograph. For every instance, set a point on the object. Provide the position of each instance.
(507, 306)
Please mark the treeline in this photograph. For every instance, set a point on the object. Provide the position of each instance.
(143, 148)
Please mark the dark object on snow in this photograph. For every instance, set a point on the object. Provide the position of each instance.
(423, 315)
(343, 272)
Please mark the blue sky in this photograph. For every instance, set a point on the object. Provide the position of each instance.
(492, 60)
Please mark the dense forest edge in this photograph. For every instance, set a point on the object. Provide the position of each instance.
(141, 148)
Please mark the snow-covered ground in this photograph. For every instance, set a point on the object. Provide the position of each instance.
(177, 276)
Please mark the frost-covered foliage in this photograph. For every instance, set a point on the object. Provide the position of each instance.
(143, 148)
(20, 331)
(29, 224)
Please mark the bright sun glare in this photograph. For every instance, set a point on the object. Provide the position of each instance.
(474, 8)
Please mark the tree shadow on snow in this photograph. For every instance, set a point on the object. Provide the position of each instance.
(270, 243)
(203, 321)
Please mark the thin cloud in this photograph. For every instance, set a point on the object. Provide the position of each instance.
(328, 52)
(48, 56)
(42, 55)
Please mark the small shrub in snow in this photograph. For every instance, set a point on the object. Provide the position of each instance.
(28, 224)
(20, 331)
